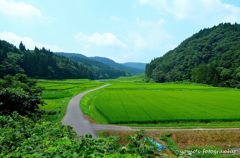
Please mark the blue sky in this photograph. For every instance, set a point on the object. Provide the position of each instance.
(124, 30)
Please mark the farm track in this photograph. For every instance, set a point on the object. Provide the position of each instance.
(99, 127)
(74, 116)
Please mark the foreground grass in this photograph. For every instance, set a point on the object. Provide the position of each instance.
(144, 103)
(57, 94)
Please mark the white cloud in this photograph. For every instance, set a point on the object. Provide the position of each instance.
(19, 9)
(98, 39)
(215, 10)
(27, 41)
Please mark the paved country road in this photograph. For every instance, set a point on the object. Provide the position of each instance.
(74, 116)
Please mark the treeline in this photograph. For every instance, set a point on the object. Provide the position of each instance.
(42, 63)
(211, 56)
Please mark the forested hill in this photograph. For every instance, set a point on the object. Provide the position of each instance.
(42, 63)
(123, 67)
(105, 64)
(100, 70)
(211, 56)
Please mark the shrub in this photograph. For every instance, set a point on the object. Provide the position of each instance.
(170, 144)
(18, 93)
(22, 137)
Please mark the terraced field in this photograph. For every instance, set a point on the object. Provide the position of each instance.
(57, 93)
(136, 102)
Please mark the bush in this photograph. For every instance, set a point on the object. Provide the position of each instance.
(170, 144)
(18, 93)
(22, 137)
(139, 143)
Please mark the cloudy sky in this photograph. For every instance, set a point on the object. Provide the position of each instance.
(124, 30)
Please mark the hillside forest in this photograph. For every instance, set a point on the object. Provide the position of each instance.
(211, 56)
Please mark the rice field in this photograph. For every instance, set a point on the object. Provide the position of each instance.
(130, 101)
(139, 102)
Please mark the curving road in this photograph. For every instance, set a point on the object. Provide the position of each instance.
(74, 117)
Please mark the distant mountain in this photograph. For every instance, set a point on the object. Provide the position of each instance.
(211, 56)
(100, 70)
(118, 66)
(140, 66)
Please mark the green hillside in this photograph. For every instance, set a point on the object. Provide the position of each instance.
(211, 56)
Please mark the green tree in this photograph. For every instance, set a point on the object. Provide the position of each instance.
(18, 93)
(22, 47)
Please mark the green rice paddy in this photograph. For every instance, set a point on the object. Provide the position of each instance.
(138, 102)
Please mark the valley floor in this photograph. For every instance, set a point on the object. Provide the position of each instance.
(134, 103)
(191, 114)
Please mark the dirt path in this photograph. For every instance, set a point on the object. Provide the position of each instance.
(75, 118)
(102, 127)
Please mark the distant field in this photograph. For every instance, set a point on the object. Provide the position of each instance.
(57, 93)
(138, 102)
